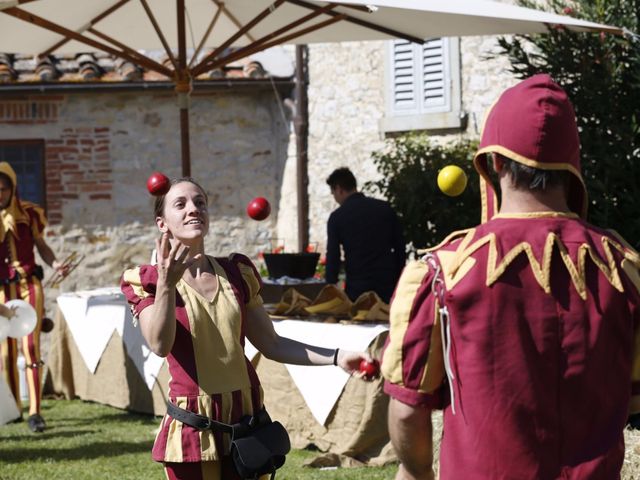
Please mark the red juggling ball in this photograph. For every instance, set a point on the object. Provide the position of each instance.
(370, 369)
(158, 184)
(259, 208)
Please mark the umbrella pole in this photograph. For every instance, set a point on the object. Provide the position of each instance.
(183, 89)
(184, 139)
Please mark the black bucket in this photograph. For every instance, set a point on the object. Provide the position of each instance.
(295, 265)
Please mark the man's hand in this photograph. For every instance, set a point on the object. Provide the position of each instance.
(61, 268)
(8, 312)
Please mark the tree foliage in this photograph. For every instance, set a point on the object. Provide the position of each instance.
(601, 74)
(409, 168)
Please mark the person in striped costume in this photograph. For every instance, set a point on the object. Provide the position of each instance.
(22, 225)
(197, 310)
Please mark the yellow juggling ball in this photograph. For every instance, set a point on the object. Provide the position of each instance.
(452, 180)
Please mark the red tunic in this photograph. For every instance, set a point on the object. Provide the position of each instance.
(16, 250)
(544, 315)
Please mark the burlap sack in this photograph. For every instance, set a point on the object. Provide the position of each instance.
(292, 303)
(330, 301)
(368, 307)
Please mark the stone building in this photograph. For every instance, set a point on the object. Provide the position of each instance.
(351, 107)
(85, 136)
(88, 132)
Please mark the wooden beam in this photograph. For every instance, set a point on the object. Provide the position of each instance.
(363, 23)
(16, 2)
(205, 37)
(91, 23)
(158, 30)
(198, 69)
(280, 31)
(360, 8)
(233, 19)
(60, 30)
(141, 60)
(232, 57)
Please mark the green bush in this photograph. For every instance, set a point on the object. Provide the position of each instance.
(409, 167)
(601, 74)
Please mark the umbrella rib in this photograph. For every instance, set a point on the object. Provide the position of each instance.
(198, 69)
(91, 23)
(54, 27)
(205, 37)
(232, 17)
(240, 52)
(158, 30)
(140, 59)
(360, 8)
(363, 23)
(22, 2)
(251, 49)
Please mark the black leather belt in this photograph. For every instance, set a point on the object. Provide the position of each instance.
(195, 420)
(38, 272)
(201, 422)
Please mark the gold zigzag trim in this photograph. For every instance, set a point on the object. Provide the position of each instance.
(542, 269)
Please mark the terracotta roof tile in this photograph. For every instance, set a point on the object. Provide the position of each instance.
(100, 67)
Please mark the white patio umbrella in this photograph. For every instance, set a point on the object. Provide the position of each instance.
(233, 29)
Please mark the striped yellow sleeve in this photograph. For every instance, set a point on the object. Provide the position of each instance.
(133, 283)
(254, 284)
(413, 357)
(37, 218)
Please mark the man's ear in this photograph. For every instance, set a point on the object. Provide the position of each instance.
(497, 162)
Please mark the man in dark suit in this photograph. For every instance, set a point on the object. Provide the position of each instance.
(371, 238)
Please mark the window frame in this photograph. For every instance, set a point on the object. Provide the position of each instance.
(25, 143)
(447, 117)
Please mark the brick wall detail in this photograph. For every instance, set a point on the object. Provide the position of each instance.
(78, 166)
(30, 110)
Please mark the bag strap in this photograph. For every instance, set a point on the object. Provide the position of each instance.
(200, 422)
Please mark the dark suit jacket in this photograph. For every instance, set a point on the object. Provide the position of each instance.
(371, 237)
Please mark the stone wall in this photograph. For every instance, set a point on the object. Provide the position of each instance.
(346, 101)
(101, 147)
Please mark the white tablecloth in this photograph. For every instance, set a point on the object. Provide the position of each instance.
(92, 316)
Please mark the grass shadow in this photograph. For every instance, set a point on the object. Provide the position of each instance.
(89, 451)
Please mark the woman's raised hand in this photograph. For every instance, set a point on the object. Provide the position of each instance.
(172, 261)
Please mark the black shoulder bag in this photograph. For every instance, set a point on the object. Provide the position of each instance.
(258, 445)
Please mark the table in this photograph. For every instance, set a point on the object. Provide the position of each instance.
(353, 425)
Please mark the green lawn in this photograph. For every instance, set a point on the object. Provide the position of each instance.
(93, 442)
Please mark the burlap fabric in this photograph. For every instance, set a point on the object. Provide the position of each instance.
(355, 432)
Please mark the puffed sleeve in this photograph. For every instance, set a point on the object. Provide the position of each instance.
(412, 364)
(37, 218)
(251, 279)
(139, 287)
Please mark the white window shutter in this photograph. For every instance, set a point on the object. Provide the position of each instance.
(422, 86)
(405, 88)
(435, 78)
